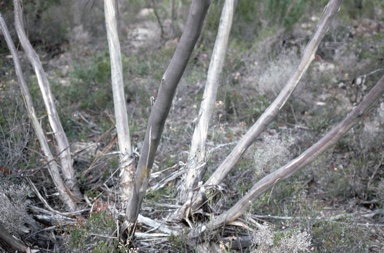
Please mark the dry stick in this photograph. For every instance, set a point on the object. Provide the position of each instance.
(53, 117)
(10, 243)
(108, 147)
(197, 154)
(163, 103)
(295, 165)
(52, 165)
(154, 6)
(45, 203)
(157, 225)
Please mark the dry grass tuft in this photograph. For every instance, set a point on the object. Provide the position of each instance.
(272, 153)
(13, 206)
(276, 73)
(268, 240)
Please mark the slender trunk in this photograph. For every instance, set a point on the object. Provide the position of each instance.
(163, 103)
(53, 117)
(64, 193)
(127, 164)
(196, 160)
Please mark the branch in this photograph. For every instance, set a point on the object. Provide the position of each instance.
(9, 242)
(305, 158)
(225, 167)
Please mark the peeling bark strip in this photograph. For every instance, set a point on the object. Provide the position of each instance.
(161, 107)
(127, 165)
(305, 158)
(53, 117)
(52, 165)
(110, 9)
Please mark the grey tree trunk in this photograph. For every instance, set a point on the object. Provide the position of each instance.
(163, 104)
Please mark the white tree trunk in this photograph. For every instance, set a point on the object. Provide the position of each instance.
(127, 164)
(196, 161)
(270, 113)
(51, 162)
(305, 158)
(62, 142)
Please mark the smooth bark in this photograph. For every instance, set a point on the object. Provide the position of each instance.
(162, 105)
(225, 167)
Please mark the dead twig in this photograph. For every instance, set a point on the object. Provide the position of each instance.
(70, 214)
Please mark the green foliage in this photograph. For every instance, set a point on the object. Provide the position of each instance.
(178, 243)
(237, 101)
(137, 65)
(357, 9)
(213, 19)
(339, 237)
(89, 89)
(95, 234)
(15, 131)
(47, 23)
(253, 16)
(284, 12)
(155, 196)
(37, 98)
(93, 80)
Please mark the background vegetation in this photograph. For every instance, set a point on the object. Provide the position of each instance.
(328, 205)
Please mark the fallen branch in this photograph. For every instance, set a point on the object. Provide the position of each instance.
(11, 244)
(157, 225)
(73, 213)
